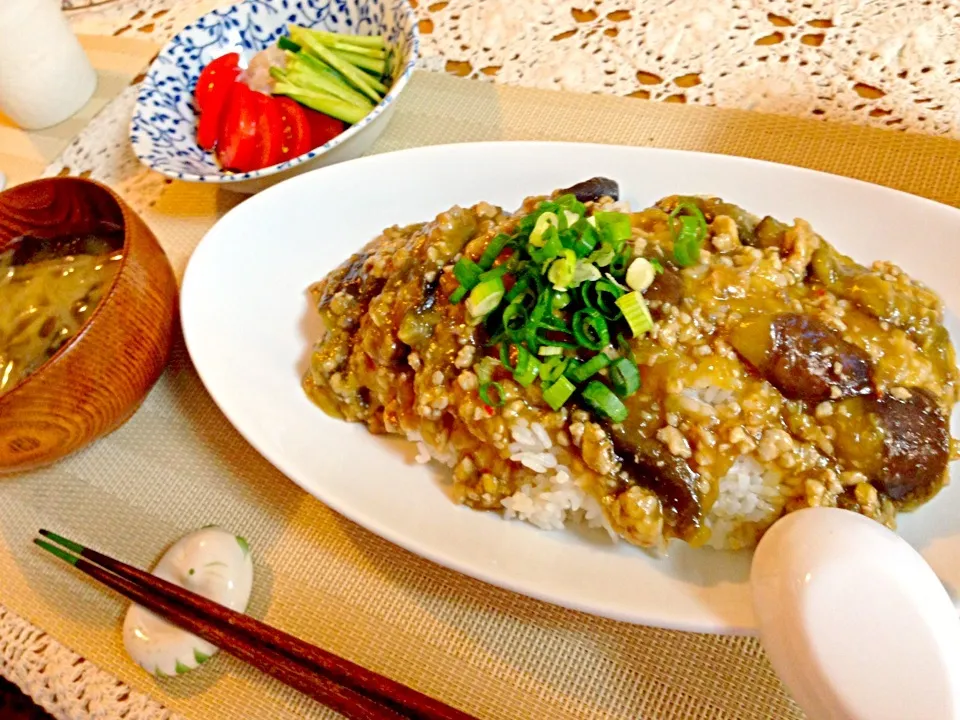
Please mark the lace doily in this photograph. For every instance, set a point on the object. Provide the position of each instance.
(886, 63)
(62, 682)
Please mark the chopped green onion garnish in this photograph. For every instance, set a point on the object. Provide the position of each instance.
(560, 300)
(570, 202)
(624, 346)
(548, 350)
(552, 247)
(602, 256)
(636, 312)
(485, 369)
(505, 355)
(569, 219)
(602, 296)
(689, 236)
(459, 294)
(493, 250)
(498, 398)
(587, 370)
(640, 274)
(599, 397)
(514, 318)
(547, 221)
(551, 370)
(526, 374)
(561, 270)
(587, 240)
(625, 377)
(657, 265)
(617, 283)
(614, 228)
(485, 297)
(557, 394)
(584, 272)
(590, 329)
(618, 266)
(467, 272)
(498, 271)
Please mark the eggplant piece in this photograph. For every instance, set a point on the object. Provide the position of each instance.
(770, 233)
(593, 189)
(911, 308)
(667, 287)
(901, 445)
(916, 446)
(803, 357)
(648, 463)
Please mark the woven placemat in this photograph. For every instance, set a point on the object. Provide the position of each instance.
(178, 464)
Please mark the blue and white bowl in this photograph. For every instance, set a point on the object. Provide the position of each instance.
(164, 124)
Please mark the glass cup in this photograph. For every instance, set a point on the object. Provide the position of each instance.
(45, 76)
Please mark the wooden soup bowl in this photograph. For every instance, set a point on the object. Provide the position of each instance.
(98, 379)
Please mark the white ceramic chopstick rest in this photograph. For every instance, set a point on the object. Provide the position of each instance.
(211, 562)
(854, 621)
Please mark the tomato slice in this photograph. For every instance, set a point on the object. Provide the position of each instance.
(323, 128)
(211, 119)
(269, 132)
(222, 70)
(296, 129)
(237, 145)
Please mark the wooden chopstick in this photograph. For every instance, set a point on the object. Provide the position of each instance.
(338, 683)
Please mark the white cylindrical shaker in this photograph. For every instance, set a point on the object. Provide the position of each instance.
(45, 76)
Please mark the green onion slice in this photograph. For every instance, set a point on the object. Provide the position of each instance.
(505, 356)
(587, 238)
(485, 369)
(625, 377)
(602, 256)
(689, 232)
(602, 296)
(515, 318)
(552, 369)
(485, 297)
(636, 312)
(497, 400)
(570, 202)
(467, 272)
(621, 262)
(590, 329)
(614, 228)
(493, 250)
(585, 272)
(624, 346)
(498, 271)
(558, 393)
(560, 300)
(547, 221)
(552, 247)
(530, 372)
(459, 294)
(599, 397)
(587, 370)
(561, 270)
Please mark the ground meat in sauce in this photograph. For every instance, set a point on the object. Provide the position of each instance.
(774, 359)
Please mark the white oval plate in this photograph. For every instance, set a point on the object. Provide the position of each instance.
(249, 328)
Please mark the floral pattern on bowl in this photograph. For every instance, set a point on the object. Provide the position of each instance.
(163, 126)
